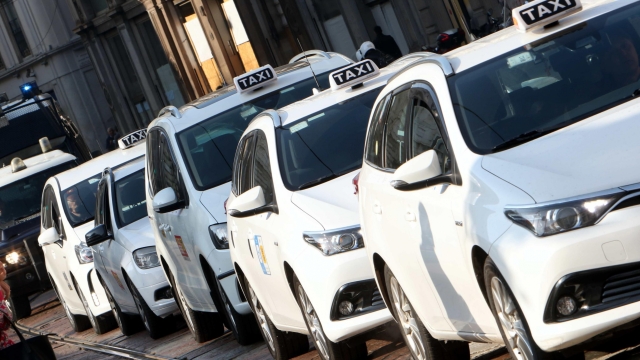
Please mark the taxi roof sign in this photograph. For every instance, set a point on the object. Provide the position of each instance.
(132, 139)
(353, 74)
(255, 79)
(542, 12)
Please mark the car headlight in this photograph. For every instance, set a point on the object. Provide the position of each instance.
(564, 215)
(15, 257)
(218, 235)
(335, 241)
(84, 253)
(146, 258)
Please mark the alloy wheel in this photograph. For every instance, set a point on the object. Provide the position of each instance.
(510, 320)
(407, 320)
(138, 302)
(262, 318)
(112, 304)
(185, 309)
(314, 323)
(92, 320)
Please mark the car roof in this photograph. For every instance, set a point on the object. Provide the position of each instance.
(128, 168)
(97, 165)
(35, 164)
(509, 39)
(324, 99)
(211, 104)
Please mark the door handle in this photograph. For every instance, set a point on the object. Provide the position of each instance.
(377, 209)
(409, 216)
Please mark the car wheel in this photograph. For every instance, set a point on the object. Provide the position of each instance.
(421, 344)
(20, 307)
(244, 327)
(78, 322)
(204, 326)
(511, 322)
(327, 349)
(101, 324)
(282, 345)
(128, 324)
(155, 325)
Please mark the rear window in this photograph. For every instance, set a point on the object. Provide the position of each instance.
(549, 84)
(208, 148)
(325, 145)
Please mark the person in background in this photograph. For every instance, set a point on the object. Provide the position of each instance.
(368, 51)
(111, 139)
(5, 313)
(386, 43)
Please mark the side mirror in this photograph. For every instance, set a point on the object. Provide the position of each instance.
(166, 201)
(249, 203)
(97, 235)
(48, 236)
(417, 170)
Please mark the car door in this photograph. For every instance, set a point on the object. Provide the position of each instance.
(57, 266)
(264, 235)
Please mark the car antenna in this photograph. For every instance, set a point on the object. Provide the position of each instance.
(306, 58)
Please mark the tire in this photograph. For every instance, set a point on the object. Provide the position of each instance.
(204, 326)
(421, 344)
(128, 324)
(101, 324)
(282, 345)
(78, 322)
(244, 327)
(155, 325)
(521, 345)
(327, 349)
(20, 307)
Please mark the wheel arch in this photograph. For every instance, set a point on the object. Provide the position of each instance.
(241, 279)
(378, 271)
(212, 283)
(288, 271)
(478, 257)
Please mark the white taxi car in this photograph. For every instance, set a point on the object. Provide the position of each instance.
(189, 157)
(68, 205)
(125, 253)
(294, 222)
(498, 195)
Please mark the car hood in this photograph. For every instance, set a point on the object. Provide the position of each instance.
(213, 200)
(82, 229)
(333, 203)
(595, 154)
(137, 235)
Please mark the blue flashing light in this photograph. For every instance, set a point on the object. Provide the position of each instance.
(29, 90)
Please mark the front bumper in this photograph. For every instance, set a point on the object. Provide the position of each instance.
(151, 284)
(322, 278)
(536, 270)
(25, 280)
(92, 290)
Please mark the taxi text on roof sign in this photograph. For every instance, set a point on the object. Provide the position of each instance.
(255, 79)
(353, 74)
(543, 12)
(132, 138)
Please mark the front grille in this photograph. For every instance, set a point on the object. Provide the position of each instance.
(376, 299)
(621, 286)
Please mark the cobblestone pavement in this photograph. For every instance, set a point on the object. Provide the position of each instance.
(385, 344)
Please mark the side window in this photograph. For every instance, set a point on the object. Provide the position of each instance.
(237, 165)
(373, 151)
(153, 167)
(47, 211)
(246, 165)
(425, 134)
(395, 138)
(168, 172)
(261, 167)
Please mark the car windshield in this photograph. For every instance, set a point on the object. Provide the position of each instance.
(79, 200)
(20, 200)
(549, 84)
(324, 145)
(130, 200)
(208, 147)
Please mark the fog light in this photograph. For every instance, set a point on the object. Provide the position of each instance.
(29, 276)
(345, 308)
(566, 305)
(346, 241)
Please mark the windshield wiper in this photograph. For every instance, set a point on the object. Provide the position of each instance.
(317, 181)
(522, 138)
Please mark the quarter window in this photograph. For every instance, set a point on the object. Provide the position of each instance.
(169, 175)
(425, 135)
(261, 169)
(246, 165)
(395, 138)
(373, 152)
